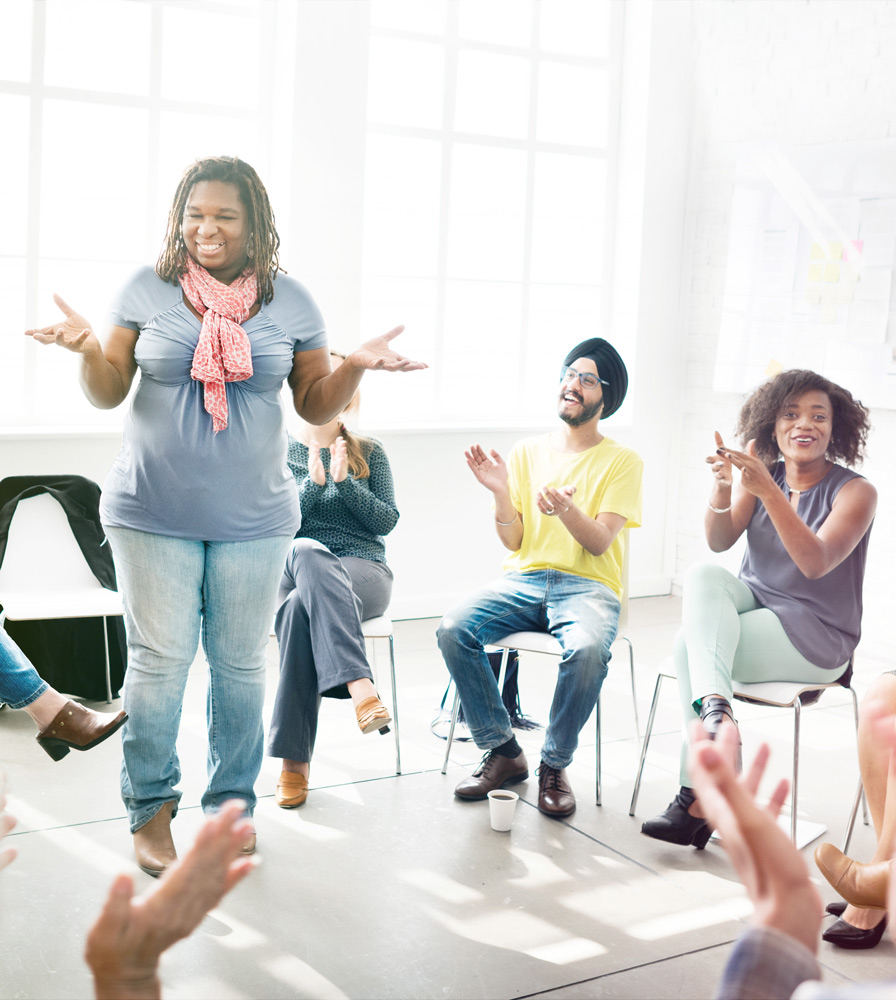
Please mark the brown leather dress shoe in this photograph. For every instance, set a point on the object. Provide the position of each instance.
(372, 715)
(78, 728)
(555, 797)
(494, 771)
(292, 790)
(153, 845)
(861, 885)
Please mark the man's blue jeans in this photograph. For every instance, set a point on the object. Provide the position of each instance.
(581, 614)
(172, 588)
(20, 684)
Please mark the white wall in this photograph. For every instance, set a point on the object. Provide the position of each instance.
(802, 73)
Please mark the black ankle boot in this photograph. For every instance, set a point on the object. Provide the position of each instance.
(713, 712)
(677, 826)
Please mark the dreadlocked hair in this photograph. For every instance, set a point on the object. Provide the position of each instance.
(357, 448)
(849, 418)
(263, 239)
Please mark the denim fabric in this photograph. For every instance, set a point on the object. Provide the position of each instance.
(581, 614)
(20, 684)
(173, 588)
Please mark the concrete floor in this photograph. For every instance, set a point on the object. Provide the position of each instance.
(387, 886)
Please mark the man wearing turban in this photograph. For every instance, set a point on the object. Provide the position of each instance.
(561, 502)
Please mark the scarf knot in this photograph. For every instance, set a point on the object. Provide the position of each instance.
(223, 353)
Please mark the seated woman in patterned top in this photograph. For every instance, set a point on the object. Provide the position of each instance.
(336, 576)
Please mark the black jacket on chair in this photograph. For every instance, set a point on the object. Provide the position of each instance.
(69, 653)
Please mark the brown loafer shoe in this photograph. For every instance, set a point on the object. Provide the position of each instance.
(494, 771)
(153, 845)
(862, 885)
(372, 715)
(555, 797)
(292, 790)
(78, 728)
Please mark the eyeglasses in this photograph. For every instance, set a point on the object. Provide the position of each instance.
(586, 379)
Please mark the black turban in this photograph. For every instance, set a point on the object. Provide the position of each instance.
(609, 366)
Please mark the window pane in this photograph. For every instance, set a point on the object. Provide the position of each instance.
(14, 174)
(482, 337)
(492, 94)
(405, 83)
(575, 27)
(15, 41)
(402, 198)
(387, 302)
(410, 15)
(210, 58)
(568, 219)
(572, 104)
(98, 45)
(487, 216)
(14, 343)
(503, 22)
(95, 206)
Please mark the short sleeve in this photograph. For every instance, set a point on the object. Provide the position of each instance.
(296, 313)
(623, 491)
(139, 299)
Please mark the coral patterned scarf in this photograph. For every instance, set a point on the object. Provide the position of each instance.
(223, 353)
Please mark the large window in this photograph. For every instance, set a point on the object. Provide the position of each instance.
(103, 103)
(488, 203)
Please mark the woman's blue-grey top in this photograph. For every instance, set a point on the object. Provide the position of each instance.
(175, 476)
(822, 618)
(349, 517)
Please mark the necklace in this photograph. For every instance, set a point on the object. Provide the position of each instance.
(791, 490)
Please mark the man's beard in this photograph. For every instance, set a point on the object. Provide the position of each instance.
(587, 413)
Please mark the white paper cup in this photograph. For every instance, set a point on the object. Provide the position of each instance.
(501, 806)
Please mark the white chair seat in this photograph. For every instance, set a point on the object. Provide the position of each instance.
(82, 603)
(779, 693)
(530, 642)
(377, 628)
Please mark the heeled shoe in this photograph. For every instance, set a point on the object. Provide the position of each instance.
(78, 728)
(292, 790)
(372, 716)
(836, 908)
(677, 826)
(713, 712)
(844, 935)
(153, 844)
(861, 885)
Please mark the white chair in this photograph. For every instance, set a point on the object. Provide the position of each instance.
(544, 642)
(778, 694)
(44, 573)
(381, 628)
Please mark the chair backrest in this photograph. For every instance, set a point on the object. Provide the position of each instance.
(42, 555)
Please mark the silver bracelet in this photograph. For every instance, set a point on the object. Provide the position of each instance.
(504, 524)
(719, 510)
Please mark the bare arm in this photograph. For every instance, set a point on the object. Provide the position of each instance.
(815, 553)
(106, 373)
(319, 394)
(490, 470)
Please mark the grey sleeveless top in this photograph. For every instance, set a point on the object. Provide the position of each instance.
(822, 617)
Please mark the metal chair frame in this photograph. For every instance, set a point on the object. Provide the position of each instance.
(382, 628)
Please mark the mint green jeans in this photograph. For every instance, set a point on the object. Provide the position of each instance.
(726, 634)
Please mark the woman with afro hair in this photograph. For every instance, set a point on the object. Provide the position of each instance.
(794, 611)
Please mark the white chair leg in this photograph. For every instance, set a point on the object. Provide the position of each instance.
(597, 752)
(854, 812)
(448, 742)
(796, 769)
(394, 704)
(647, 734)
(631, 668)
(108, 666)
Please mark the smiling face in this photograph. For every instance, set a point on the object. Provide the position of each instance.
(804, 427)
(215, 229)
(578, 405)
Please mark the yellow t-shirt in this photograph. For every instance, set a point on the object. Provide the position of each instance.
(607, 479)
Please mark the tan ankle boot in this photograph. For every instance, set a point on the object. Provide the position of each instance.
(153, 845)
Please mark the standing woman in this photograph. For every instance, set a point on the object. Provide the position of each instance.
(336, 576)
(199, 507)
(794, 612)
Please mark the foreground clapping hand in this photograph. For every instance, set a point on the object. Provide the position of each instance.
(7, 822)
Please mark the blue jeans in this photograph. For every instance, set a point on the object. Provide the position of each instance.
(581, 614)
(172, 588)
(19, 681)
